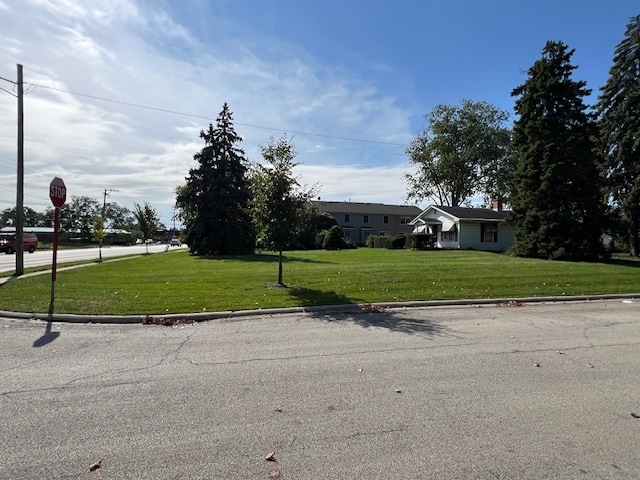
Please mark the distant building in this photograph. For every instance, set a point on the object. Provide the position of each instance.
(359, 220)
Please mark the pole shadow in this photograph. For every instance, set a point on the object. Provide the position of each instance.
(48, 336)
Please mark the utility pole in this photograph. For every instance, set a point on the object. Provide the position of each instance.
(104, 210)
(20, 180)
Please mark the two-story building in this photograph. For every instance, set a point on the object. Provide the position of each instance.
(359, 220)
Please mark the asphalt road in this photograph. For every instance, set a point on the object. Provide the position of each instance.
(437, 393)
(45, 257)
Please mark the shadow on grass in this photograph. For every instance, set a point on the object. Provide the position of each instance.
(369, 316)
(635, 263)
(269, 257)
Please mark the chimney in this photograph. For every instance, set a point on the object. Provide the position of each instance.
(496, 205)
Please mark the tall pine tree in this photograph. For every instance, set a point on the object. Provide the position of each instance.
(214, 203)
(619, 119)
(557, 205)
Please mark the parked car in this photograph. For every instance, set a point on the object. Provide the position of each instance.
(8, 242)
(175, 242)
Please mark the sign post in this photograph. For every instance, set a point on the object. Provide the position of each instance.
(58, 195)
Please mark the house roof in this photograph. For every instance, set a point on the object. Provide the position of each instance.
(367, 208)
(464, 213)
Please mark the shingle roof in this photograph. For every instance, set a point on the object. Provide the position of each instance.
(465, 213)
(367, 208)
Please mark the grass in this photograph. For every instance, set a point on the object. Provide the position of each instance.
(175, 282)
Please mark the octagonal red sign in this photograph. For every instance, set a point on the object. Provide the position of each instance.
(57, 192)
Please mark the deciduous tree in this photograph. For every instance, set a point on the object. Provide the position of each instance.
(279, 202)
(147, 218)
(464, 151)
(557, 206)
(619, 119)
(77, 215)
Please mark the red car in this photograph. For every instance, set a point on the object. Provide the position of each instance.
(8, 242)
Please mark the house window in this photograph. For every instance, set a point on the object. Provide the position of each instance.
(347, 232)
(383, 233)
(386, 219)
(489, 232)
(451, 236)
(346, 218)
(366, 219)
(403, 220)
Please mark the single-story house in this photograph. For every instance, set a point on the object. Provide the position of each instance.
(461, 227)
(359, 220)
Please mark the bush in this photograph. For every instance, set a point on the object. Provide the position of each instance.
(377, 241)
(333, 239)
(420, 241)
(397, 241)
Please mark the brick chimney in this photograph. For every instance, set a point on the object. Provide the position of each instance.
(496, 204)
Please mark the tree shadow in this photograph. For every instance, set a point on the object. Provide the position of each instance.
(365, 315)
(624, 262)
(266, 257)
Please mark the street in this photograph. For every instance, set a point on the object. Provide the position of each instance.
(45, 257)
(516, 391)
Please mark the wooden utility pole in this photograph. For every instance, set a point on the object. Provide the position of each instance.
(20, 181)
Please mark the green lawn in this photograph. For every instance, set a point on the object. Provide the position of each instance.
(175, 282)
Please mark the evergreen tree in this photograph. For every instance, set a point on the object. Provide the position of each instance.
(214, 203)
(619, 119)
(557, 206)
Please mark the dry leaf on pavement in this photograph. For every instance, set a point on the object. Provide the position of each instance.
(95, 466)
(271, 457)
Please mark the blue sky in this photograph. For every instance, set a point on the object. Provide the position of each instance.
(357, 75)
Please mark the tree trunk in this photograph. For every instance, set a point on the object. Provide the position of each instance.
(634, 241)
(280, 268)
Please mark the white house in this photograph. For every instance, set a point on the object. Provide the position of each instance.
(472, 228)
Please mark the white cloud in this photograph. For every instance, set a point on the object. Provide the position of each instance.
(130, 53)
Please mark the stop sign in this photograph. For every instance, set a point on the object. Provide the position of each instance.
(57, 192)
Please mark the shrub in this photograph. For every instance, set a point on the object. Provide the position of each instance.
(420, 241)
(333, 239)
(397, 241)
(377, 241)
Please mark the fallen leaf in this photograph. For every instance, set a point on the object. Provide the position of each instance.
(360, 370)
(271, 457)
(278, 408)
(398, 390)
(589, 365)
(635, 416)
(536, 364)
(274, 473)
(559, 352)
(95, 466)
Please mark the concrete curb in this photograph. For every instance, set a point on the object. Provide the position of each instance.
(336, 309)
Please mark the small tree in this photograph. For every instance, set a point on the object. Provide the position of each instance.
(99, 232)
(278, 202)
(147, 219)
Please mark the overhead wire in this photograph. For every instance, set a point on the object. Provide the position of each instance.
(203, 117)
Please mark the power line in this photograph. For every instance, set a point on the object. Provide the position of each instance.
(191, 115)
(7, 80)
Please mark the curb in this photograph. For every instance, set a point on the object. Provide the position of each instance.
(339, 309)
